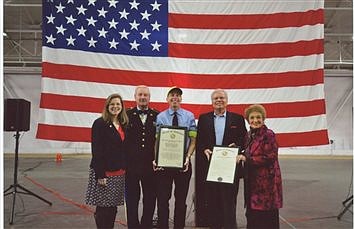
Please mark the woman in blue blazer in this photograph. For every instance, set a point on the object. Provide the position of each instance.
(107, 168)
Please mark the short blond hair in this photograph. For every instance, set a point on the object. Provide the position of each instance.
(255, 108)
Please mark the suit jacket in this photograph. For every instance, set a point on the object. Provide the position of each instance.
(108, 148)
(235, 132)
(141, 141)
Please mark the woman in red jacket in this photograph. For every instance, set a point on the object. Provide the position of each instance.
(263, 183)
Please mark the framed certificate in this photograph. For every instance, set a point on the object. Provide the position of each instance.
(171, 144)
(222, 165)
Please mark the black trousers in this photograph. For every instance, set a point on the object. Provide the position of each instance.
(165, 180)
(105, 217)
(221, 202)
(147, 182)
(257, 219)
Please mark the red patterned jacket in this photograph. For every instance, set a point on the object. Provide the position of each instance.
(263, 179)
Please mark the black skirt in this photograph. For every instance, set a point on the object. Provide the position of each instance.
(257, 219)
(105, 196)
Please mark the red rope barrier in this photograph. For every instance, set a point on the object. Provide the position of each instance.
(84, 207)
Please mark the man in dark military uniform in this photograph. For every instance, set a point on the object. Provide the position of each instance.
(141, 140)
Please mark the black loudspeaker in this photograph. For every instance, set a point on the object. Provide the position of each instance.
(17, 115)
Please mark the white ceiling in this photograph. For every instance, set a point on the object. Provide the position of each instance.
(23, 39)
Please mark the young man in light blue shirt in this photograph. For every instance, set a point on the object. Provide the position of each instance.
(175, 116)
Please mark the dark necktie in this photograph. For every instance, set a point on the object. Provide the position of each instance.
(175, 119)
(142, 112)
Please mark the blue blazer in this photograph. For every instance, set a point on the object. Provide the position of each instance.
(107, 147)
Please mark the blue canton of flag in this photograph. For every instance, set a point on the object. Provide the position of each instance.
(116, 27)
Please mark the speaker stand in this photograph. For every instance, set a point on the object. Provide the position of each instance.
(347, 203)
(17, 188)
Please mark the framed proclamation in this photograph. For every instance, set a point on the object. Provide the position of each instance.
(171, 147)
(222, 165)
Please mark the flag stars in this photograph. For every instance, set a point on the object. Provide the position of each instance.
(50, 39)
(91, 2)
(60, 29)
(81, 31)
(134, 25)
(124, 34)
(91, 21)
(60, 8)
(156, 46)
(113, 44)
(112, 24)
(145, 35)
(155, 26)
(81, 10)
(112, 3)
(92, 42)
(70, 41)
(155, 6)
(134, 45)
(134, 5)
(102, 13)
(145, 15)
(70, 20)
(50, 19)
(131, 27)
(102, 33)
(124, 14)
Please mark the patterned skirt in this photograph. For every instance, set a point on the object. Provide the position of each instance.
(105, 196)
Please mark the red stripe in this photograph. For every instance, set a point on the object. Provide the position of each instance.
(244, 21)
(319, 137)
(71, 103)
(76, 134)
(95, 105)
(249, 51)
(63, 133)
(198, 81)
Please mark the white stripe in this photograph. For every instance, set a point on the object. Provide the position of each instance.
(67, 118)
(301, 124)
(246, 36)
(278, 125)
(181, 65)
(241, 6)
(190, 96)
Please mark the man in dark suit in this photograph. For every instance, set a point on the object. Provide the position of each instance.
(141, 140)
(216, 202)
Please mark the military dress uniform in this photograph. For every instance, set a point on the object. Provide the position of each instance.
(141, 141)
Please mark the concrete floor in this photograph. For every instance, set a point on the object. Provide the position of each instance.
(314, 188)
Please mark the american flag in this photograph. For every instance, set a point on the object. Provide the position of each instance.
(265, 52)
